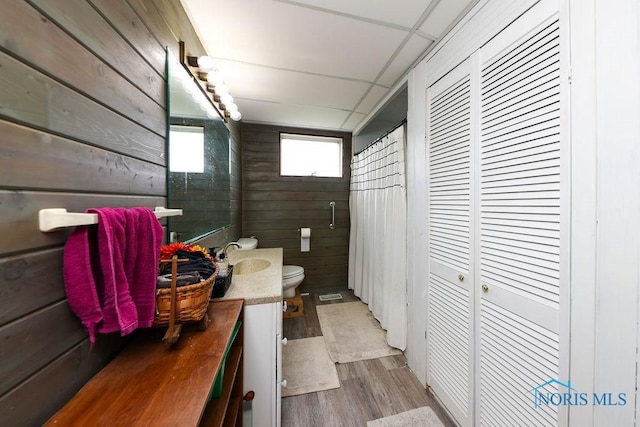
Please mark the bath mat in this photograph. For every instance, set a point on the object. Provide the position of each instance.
(423, 417)
(307, 367)
(352, 333)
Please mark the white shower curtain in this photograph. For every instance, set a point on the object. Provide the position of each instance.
(377, 243)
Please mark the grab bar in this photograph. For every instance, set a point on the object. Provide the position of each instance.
(333, 215)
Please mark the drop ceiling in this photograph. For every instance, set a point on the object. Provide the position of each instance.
(321, 64)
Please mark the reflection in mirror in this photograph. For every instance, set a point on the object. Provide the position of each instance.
(198, 147)
(186, 149)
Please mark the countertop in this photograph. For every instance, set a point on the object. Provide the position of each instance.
(149, 385)
(261, 287)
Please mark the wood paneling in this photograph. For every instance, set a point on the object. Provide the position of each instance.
(63, 377)
(38, 100)
(82, 124)
(175, 17)
(134, 30)
(29, 282)
(33, 341)
(154, 20)
(82, 21)
(274, 207)
(71, 165)
(68, 61)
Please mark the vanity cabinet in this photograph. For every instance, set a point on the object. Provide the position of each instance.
(148, 384)
(257, 278)
(263, 363)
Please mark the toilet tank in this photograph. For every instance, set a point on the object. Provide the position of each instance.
(247, 243)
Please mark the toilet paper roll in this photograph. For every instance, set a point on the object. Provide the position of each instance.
(305, 237)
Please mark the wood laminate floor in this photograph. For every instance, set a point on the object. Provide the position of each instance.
(369, 389)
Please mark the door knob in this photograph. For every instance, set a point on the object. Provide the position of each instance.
(283, 383)
(485, 288)
(284, 341)
(461, 277)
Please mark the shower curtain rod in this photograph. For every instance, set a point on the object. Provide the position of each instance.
(382, 136)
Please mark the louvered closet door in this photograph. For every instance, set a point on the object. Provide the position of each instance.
(449, 289)
(520, 201)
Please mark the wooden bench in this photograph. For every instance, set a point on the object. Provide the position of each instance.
(148, 384)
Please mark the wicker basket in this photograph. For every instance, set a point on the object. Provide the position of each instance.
(192, 302)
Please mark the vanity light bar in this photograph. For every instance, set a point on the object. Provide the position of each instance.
(203, 67)
(207, 72)
(54, 218)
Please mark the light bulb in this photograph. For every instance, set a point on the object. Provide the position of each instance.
(222, 90)
(214, 78)
(235, 116)
(231, 107)
(226, 99)
(206, 64)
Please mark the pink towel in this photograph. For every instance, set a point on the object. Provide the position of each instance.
(110, 270)
(143, 257)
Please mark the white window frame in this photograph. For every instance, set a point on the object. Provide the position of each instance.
(301, 155)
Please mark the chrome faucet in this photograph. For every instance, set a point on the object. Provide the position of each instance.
(224, 251)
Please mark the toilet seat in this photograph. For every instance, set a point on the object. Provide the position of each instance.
(289, 271)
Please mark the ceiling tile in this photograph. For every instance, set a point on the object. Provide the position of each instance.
(291, 115)
(285, 36)
(382, 11)
(263, 83)
(443, 15)
(353, 120)
(372, 99)
(310, 63)
(414, 48)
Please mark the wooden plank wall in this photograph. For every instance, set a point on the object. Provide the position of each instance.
(275, 207)
(82, 124)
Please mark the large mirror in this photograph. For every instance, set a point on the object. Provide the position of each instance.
(198, 149)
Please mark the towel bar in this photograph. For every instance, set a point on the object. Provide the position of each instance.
(54, 218)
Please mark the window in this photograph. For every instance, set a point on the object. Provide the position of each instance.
(305, 155)
(186, 149)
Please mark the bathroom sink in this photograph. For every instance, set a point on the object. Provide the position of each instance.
(251, 265)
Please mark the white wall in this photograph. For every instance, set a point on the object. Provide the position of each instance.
(605, 215)
(416, 224)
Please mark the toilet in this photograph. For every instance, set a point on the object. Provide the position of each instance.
(292, 275)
